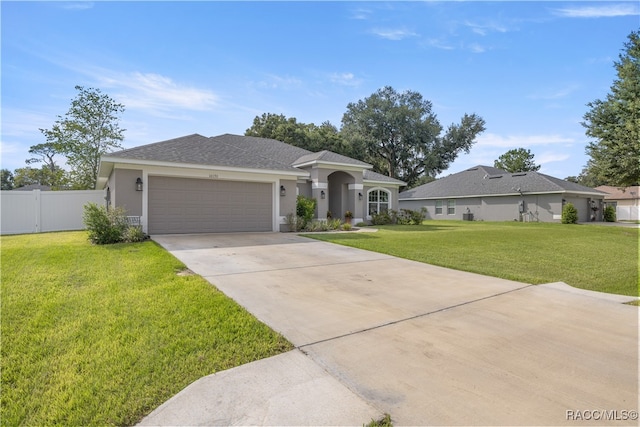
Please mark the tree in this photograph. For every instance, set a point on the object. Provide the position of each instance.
(51, 173)
(6, 179)
(308, 136)
(87, 131)
(400, 136)
(615, 123)
(517, 160)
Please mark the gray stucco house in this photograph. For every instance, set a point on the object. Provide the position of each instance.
(231, 183)
(489, 194)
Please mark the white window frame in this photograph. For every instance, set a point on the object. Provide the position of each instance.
(451, 205)
(389, 199)
(439, 209)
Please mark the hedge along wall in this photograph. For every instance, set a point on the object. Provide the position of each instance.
(39, 211)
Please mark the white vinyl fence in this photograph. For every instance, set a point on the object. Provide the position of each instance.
(628, 213)
(38, 211)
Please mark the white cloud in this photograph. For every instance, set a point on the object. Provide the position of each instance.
(550, 157)
(484, 29)
(393, 34)
(477, 48)
(603, 11)
(345, 79)
(76, 5)
(361, 14)
(439, 44)
(517, 141)
(274, 81)
(157, 93)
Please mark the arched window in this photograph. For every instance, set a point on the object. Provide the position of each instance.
(379, 201)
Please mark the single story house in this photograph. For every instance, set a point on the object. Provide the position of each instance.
(489, 194)
(233, 183)
(31, 187)
(626, 201)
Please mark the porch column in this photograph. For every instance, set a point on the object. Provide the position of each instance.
(356, 205)
(322, 205)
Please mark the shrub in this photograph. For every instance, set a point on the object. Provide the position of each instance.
(133, 234)
(104, 226)
(293, 222)
(305, 209)
(417, 217)
(316, 225)
(381, 219)
(334, 224)
(346, 226)
(610, 214)
(569, 214)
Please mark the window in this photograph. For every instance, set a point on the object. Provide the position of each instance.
(451, 207)
(438, 207)
(378, 202)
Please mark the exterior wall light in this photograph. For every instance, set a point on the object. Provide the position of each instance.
(359, 196)
(138, 184)
(322, 194)
(283, 191)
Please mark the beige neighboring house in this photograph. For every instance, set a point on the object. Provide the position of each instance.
(231, 183)
(626, 201)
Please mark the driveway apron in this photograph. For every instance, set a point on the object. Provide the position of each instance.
(430, 345)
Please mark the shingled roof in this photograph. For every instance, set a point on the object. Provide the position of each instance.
(489, 181)
(238, 151)
(224, 150)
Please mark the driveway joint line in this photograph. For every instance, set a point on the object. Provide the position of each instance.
(296, 268)
(417, 316)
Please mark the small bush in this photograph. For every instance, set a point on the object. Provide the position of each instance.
(293, 222)
(334, 224)
(133, 234)
(104, 226)
(569, 214)
(610, 214)
(317, 226)
(383, 218)
(346, 227)
(305, 209)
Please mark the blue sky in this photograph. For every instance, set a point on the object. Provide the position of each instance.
(528, 68)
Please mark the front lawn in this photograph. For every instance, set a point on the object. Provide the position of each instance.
(102, 335)
(591, 257)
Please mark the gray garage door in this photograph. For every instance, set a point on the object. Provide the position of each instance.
(184, 205)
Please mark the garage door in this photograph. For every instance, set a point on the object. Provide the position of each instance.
(184, 205)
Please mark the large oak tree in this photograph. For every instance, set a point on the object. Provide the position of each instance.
(400, 135)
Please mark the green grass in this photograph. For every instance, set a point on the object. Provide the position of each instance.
(102, 335)
(590, 257)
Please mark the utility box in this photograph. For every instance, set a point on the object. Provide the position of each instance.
(467, 216)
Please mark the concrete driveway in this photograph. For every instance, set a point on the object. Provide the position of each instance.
(428, 345)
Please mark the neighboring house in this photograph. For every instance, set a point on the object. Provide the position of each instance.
(230, 183)
(489, 194)
(625, 200)
(31, 187)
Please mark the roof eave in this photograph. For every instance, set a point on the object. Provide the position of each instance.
(291, 172)
(333, 165)
(524, 193)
